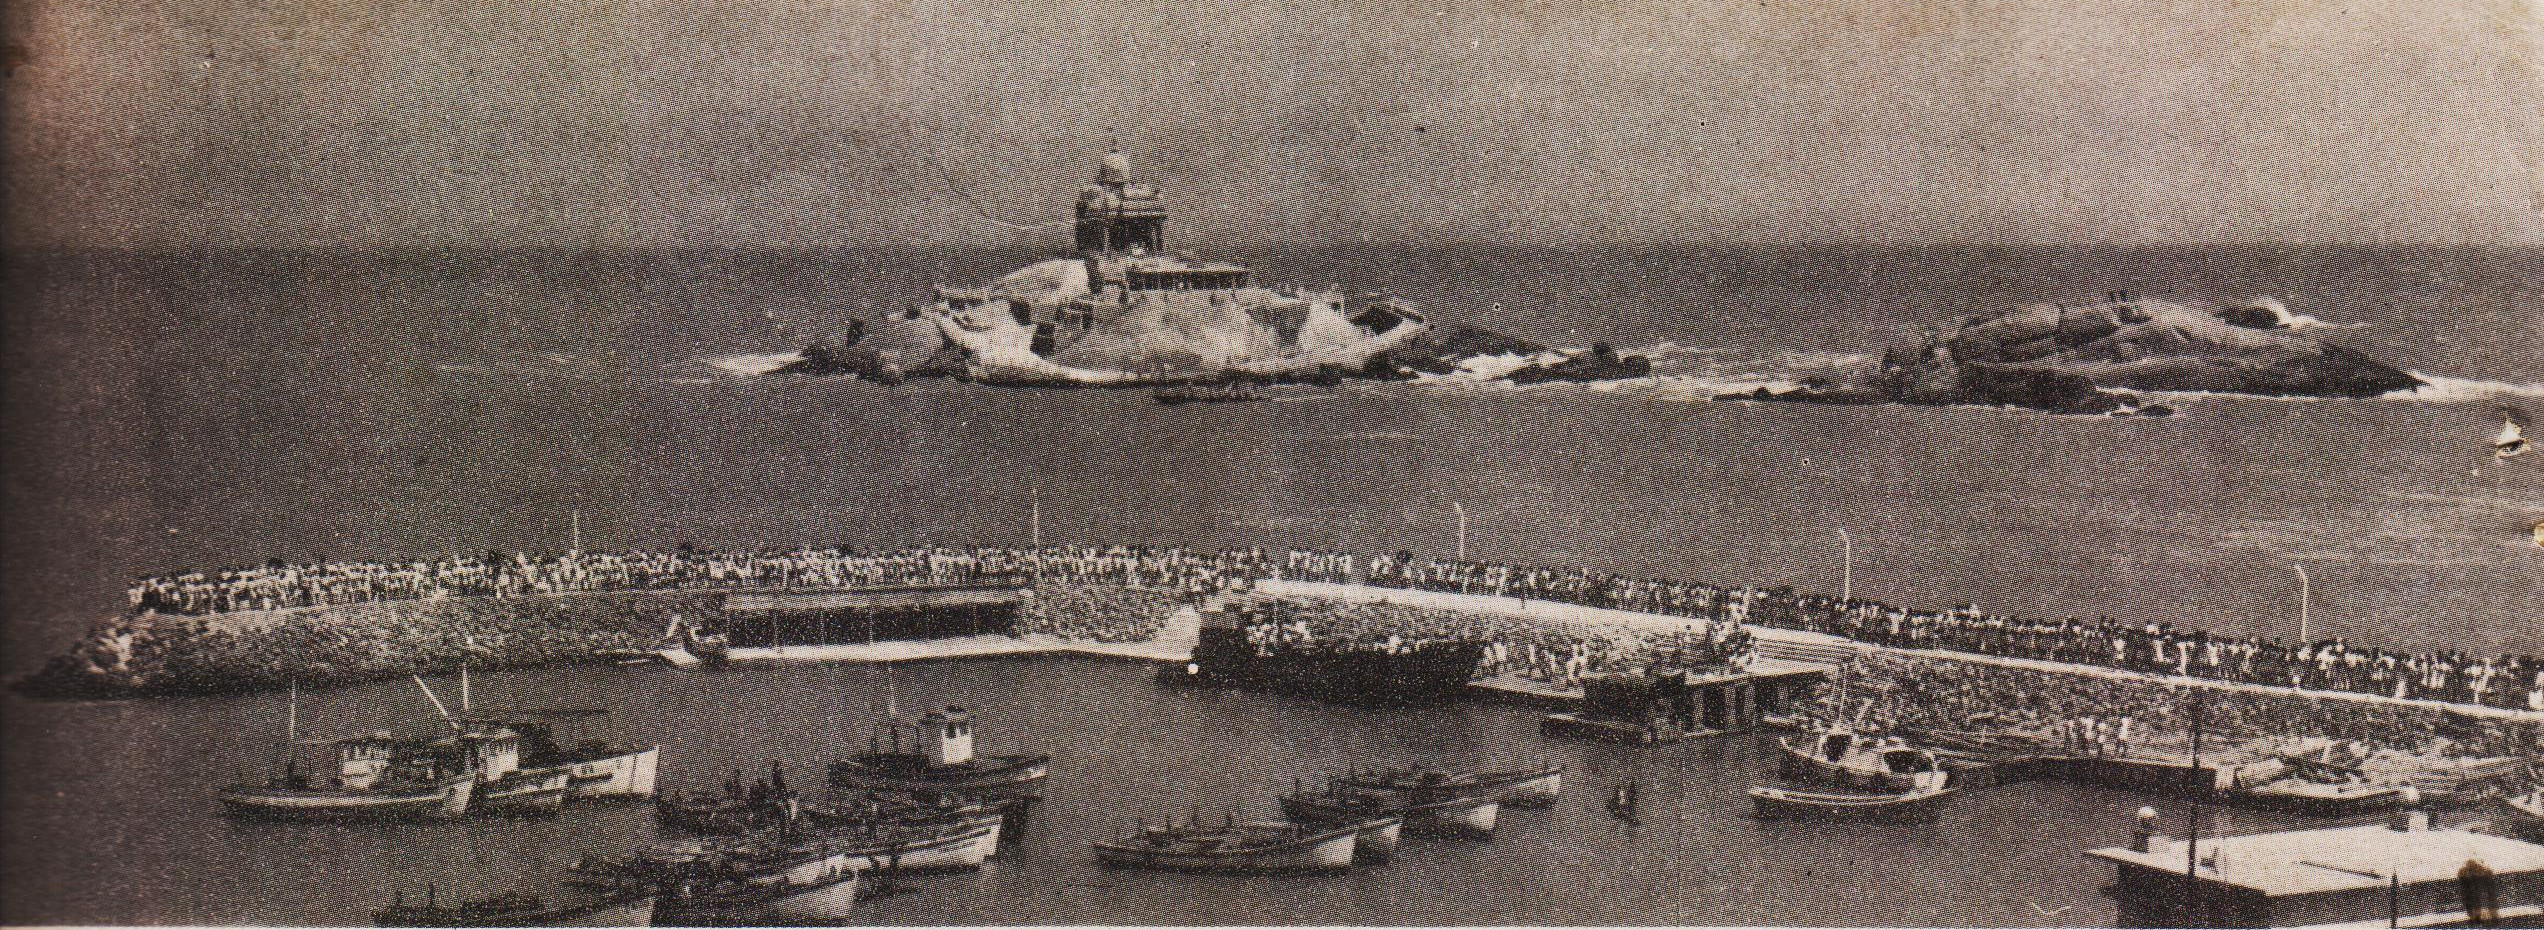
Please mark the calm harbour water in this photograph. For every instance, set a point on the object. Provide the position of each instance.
(216, 408)
(134, 837)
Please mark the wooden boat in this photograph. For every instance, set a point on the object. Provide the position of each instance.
(2303, 795)
(377, 777)
(1576, 725)
(385, 799)
(1241, 848)
(525, 793)
(947, 766)
(1378, 842)
(1531, 787)
(1916, 804)
(1467, 815)
(1852, 760)
(747, 885)
(626, 908)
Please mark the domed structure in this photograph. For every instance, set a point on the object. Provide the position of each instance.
(1121, 309)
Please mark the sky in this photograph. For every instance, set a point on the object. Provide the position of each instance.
(828, 123)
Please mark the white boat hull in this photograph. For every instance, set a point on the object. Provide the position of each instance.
(630, 775)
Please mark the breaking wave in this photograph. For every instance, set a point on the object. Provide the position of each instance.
(2460, 391)
(754, 364)
(2297, 321)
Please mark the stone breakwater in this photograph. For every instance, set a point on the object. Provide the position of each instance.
(168, 654)
(253, 650)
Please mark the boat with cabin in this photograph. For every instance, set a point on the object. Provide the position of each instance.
(1857, 761)
(1248, 848)
(377, 777)
(942, 762)
(1918, 803)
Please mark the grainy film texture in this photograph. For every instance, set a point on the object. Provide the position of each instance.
(2037, 463)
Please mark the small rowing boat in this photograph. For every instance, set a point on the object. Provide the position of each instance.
(1247, 848)
(1915, 804)
(1530, 787)
(1466, 814)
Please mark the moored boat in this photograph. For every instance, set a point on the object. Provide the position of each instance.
(1915, 804)
(386, 799)
(623, 908)
(526, 793)
(1530, 787)
(946, 765)
(1240, 848)
(1463, 815)
(1857, 761)
(2311, 797)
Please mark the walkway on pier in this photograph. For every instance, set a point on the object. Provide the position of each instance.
(1789, 645)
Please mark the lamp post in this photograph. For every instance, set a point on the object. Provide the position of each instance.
(1846, 584)
(1461, 528)
(1033, 518)
(2305, 606)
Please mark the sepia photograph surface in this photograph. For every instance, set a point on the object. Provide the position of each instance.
(1456, 463)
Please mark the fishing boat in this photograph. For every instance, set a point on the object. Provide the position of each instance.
(1464, 815)
(946, 766)
(750, 884)
(1919, 803)
(621, 908)
(378, 777)
(1537, 786)
(1846, 758)
(1234, 847)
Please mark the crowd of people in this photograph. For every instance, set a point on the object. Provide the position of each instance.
(2125, 716)
(2336, 664)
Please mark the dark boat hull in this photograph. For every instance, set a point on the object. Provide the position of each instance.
(986, 776)
(1777, 803)
(444, 801)
(1429, 673)
(634, 909)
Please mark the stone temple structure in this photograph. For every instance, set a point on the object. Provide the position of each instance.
(1121, 308)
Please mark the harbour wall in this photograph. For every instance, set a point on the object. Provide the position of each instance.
(164, 654)
(249, 650)
(1805, 646)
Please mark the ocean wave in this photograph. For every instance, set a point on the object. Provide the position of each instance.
(2461, 390)
(754, 364)
(2289, 319)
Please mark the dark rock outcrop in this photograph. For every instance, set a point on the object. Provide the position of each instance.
(1601, 363)
(2059, 358)
(1441, 349)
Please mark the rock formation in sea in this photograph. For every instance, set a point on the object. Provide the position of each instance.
(2061, 358)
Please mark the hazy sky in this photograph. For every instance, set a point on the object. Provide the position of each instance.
(786, 123)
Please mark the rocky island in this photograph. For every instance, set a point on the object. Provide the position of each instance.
(2068, 359)
(1122, 309)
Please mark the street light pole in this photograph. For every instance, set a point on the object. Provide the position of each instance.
(2305, 606)
(1461, 528)
(1846, 583)
(1034, 516)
